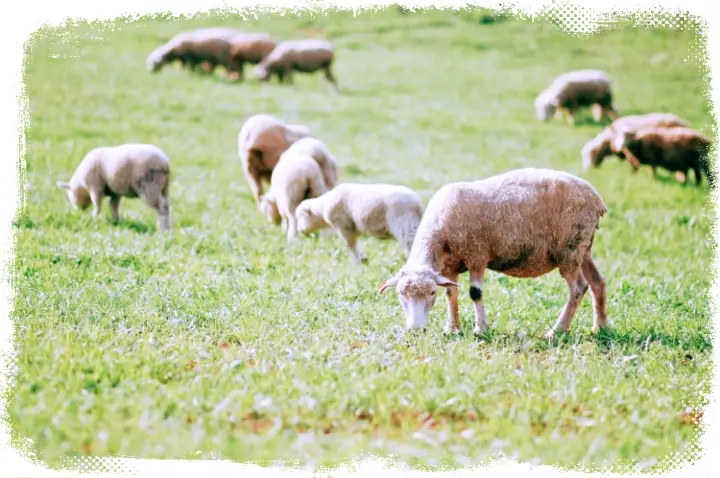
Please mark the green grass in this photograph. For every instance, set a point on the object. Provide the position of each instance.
(225, 338)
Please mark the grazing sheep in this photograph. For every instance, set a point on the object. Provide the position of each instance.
(306, 56)
(573, 90)
(378, 210)
(129, 170)
(321, 153)
(261, 141)
(676, 149)
(296, 177)
(600, 147)
(248, 48)
(522, 223)
(191, 48)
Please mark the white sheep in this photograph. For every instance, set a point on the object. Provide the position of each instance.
(129, 170)
(522, 223)
(261, 141)
(306, 56)
(573, 90)
(319, 152)
(378, 210)
(296, 177)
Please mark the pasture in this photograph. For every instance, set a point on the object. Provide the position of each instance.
(224, 339)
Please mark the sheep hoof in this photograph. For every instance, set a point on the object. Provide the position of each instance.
(480, 330)
(550, 335)
(452, 330)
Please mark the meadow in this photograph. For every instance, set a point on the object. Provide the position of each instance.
(224, 340)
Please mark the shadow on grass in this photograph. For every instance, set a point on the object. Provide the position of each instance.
(606, 339)
(609, 338)
(136, 226)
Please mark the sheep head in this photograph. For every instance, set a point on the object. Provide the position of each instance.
(307, 219)
(596, 150)
(268, 207)
(417, 290)
(78, 197)
(545, 107)
(261, 73)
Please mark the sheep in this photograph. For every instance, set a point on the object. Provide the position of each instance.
(676, 149)
(306, 56)
(320, 153)
(522, 223)
(378, 210)
(597, 149)
(129, 170)
(191, 48)
(261, 141)
(249, 48)
(296, 177)
(573, 90)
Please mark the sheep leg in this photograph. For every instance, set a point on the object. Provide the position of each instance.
(350, 237)
(453, 316)
(291, 227)
(329, 77)
(698, 174)
(115, 208)
(476, 287)
(254, 180)
(597, 111)
(598, 291)
(632, 159)
(570, 117)
(155, 196)
(96, 199)
(577, 286)
(288, 76)
(681, 176)
(611, 113)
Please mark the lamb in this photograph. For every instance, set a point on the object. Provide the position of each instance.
(676, 149)
(261, 141)
(600, 147)
(522, 223)
(296, 177)
(379, 210)
(573, 90)
(320, 153)
(306, 56)
(191, 48)
(129, 170)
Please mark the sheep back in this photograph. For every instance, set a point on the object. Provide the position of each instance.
(523, 223)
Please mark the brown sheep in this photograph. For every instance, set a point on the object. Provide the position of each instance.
(600, 147)
(522, 223)
(676, 149)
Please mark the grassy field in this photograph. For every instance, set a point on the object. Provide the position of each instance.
(224, 338)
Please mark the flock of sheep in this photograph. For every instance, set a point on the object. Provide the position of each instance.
(522, 223)
(230, 48)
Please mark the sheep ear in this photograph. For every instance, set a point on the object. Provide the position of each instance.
(387, 284)
(445, 282)
(63, 185)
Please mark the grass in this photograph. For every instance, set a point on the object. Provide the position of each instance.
(224, 338)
